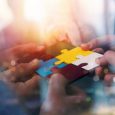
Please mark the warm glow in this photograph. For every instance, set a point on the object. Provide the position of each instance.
(66, 15)
(50, 15)
(34, 10)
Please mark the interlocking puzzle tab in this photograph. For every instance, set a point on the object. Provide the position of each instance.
(46, 66)
(68, 56)
(90, 60)
(73, 64)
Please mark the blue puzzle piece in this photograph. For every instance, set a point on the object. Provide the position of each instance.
(45, 67)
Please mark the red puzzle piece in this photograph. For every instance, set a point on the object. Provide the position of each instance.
(71, 72)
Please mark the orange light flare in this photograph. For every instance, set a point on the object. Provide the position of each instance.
(34, 11)
(50, 15)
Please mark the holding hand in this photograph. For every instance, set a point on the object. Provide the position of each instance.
(19, 65)
(21, 78)
(106, 60)
(21, 54)
(58, 101)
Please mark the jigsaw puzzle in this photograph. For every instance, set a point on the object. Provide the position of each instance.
(46, 66)
(90, 59)
(71, 72)
(73, 64)
(68, 56)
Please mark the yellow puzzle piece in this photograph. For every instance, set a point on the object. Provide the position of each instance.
(68, 56)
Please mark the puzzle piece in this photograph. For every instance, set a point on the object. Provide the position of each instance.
(72, 72)
(89, 59)
(45, 67)
(68, 56)
(71, 63)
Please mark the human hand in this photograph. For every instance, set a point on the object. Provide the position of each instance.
(95, 45)
(59, 101)
(22, 78)
(106, 42)
(107, 60)
(21, 54)
(91, 44)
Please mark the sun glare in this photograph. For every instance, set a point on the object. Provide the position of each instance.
(50, 15)
(34, 10)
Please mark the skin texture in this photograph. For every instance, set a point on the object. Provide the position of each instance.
(19, 65)
(106, 60)
(21, 54)
(59, 101)
(21, 78)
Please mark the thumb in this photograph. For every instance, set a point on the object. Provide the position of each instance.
(108, 58)
(57, 85)
(91, 44)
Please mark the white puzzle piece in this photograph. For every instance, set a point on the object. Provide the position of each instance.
(90, 60)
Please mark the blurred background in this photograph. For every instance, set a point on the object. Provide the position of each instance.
(43, 21)
(78, 18)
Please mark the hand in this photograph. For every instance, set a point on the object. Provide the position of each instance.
(19, 69)
(21, 78)
(107, 59)
(95, 43)
(21, 54)
(58, 101)
(106, 42)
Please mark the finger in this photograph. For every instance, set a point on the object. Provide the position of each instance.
(72, 90)
(57, 86)
(26, 48)
(32, 83)
(91, 45)
(76, 98)
(25, 53)
(99, 71)
(102, 61)
(109, 78)
(108, 58)
(28, 55)
(22, 72)
(22, 87)
(99, 50)
(76, 95)
(97, 42)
